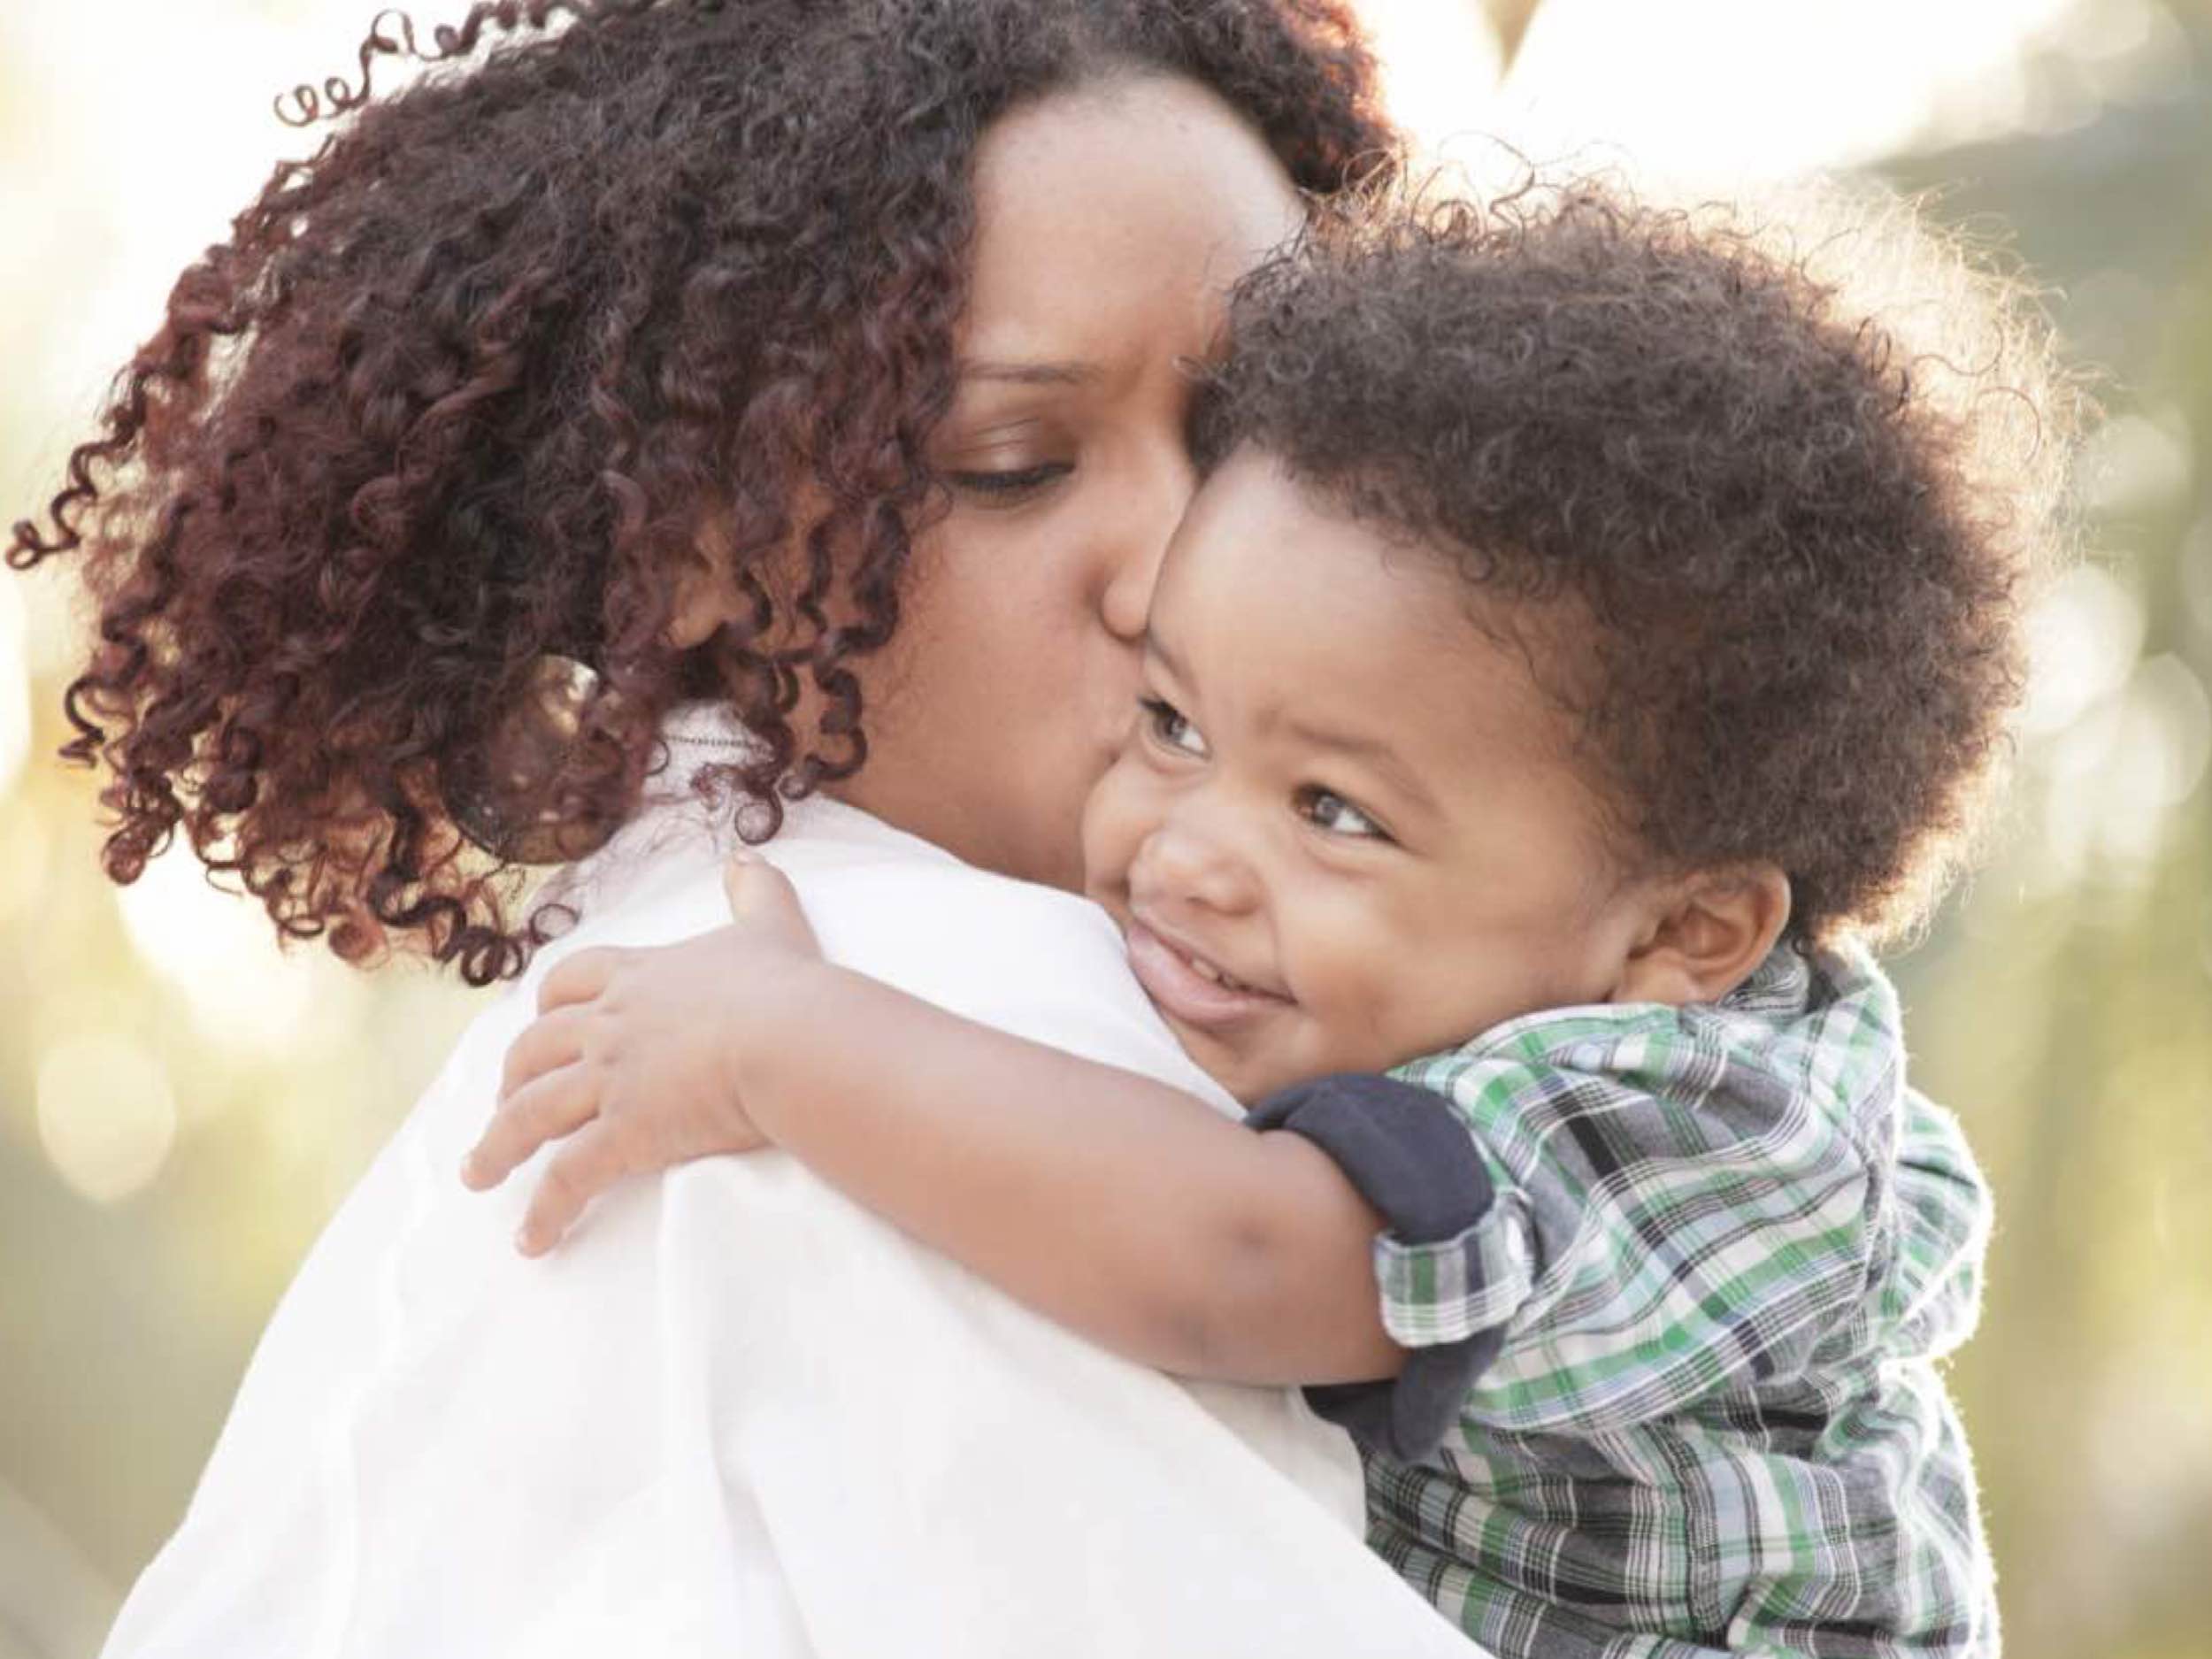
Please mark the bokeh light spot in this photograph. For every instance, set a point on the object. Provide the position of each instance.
(1439, 65)
(26, 844)
(15, 688)
(220, 951)
(2139, 464)
(106, 1115)
(2083, 640)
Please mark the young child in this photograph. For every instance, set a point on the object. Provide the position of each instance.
(1588, 636)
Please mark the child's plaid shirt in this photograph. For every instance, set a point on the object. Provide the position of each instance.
(1673, 1390)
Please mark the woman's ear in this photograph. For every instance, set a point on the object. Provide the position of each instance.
(710, 589)
(701, 605)
(701, 600)
(1705, 935)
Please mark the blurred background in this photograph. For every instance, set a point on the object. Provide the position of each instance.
(181, 1106)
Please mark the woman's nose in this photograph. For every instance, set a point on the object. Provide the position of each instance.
(1151, 509)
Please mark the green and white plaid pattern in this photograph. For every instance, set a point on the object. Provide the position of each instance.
(1727, 1249)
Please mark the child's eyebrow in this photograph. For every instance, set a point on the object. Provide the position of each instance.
(1374, 752)
(1155, 646)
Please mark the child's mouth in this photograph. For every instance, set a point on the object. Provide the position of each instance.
(1188, 987)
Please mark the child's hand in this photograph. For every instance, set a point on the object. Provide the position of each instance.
(634, 1055)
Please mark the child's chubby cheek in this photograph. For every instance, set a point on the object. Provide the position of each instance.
(1117, 816)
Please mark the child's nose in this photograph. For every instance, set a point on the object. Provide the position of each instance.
(1192, 863)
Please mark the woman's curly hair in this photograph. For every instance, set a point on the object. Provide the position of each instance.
(612, 280)
(1771, 554)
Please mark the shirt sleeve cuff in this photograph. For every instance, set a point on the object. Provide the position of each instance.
(1410, 1156)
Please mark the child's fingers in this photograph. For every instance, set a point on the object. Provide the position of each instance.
(547, 1043)
(580, 977)
(558, 1103)
(761, 896)
(593, 1160)
(754, 887)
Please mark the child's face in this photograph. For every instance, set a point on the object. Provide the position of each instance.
(1345, 797)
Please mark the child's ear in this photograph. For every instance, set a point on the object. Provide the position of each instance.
(1705, 935)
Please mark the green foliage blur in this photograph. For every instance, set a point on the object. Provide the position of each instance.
(180, 1108)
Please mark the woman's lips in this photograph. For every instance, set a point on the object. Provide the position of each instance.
(1184, 993)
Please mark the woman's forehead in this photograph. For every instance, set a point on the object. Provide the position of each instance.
(1111, 220)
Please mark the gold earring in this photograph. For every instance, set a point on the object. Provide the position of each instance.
(503, 797)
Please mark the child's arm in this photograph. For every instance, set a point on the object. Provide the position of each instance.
(1114, 1204)
(1119, 1206)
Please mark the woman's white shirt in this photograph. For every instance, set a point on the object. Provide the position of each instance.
(734, 1414)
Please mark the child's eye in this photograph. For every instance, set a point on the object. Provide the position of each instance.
(1000, 489)
(1326, 810)
(1167, 725)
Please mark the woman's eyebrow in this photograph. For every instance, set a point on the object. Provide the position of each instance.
(1029, 374)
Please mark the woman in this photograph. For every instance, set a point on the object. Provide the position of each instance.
(815, 366)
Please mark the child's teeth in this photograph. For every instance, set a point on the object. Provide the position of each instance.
(1207, 971)
(1199, 966)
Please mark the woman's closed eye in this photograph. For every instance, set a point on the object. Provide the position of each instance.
(1006, 485)
(1325, 809)
(1164, 722)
